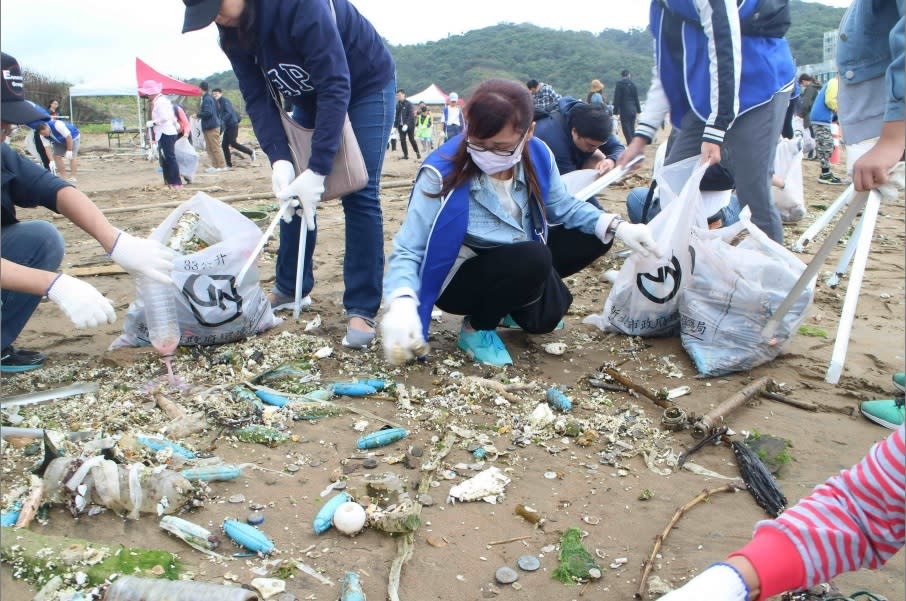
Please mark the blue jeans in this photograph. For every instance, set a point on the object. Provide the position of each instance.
(363, 261)
(635, 204)
(35, 244)
(167, 157)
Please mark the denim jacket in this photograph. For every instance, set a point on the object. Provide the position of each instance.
(489, 224)
(870, 44)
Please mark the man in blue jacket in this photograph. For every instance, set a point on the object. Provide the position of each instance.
(210, 125)
(724, 74)
(580, 136)
(229, 123)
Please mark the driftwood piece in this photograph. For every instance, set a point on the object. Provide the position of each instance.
(642, 390)
(659, 539)
(788, 401)
(504, 390)
(716, 416)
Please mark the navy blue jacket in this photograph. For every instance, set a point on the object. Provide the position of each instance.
(315, 63)
(556, 132)
(207, 112)
(228, 115)
(25, 184)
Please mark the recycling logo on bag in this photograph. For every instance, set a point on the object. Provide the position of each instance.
(668, 279)
(214, 299)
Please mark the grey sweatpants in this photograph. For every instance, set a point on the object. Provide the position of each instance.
(748, 152)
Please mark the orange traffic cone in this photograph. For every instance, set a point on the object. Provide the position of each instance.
(835, 155)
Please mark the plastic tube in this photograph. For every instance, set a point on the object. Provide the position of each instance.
(131, 588)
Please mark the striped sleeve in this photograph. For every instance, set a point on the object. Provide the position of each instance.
(853, 520)
(720, 21)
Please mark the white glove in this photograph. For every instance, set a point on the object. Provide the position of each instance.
(720, 582)
(143, 257)
(401, 331)
(637, 236)
(81, 302)
(308, 188)
(68, 155)
(149, 124)
(282, 174)
(405, 128)
(890, 190)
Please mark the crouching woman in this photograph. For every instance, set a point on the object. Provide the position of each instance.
(474, 238)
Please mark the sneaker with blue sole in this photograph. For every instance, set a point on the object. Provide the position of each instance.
(509, 322)
(15, 361)
(886, 412)
(484, 346)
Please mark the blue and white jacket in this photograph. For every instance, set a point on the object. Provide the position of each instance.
(317, 63)
(556, 132)
(58, 124)
(426, 248)
(746, 71)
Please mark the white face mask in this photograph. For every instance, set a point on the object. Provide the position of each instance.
(491, 163)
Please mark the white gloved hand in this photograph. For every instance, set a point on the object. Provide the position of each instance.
(405, 128)
(143, 257)
(81, 302)
(720, 582)
(149, 124)
(68, 155)
(637, 236)
(401, 331)
(282, 174)
(308, 188)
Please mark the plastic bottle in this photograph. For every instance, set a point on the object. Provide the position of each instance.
(131, 588)
(160, 317)
(160, 314)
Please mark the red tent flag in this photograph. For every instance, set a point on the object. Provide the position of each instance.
(143, 73)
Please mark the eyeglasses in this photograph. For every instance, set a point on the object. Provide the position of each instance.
(498, 151)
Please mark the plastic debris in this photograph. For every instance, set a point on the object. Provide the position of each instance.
(213, 473)
(485, 486)
(268, 587)
(349, 518)
(559, 400)
(248, 536)
(265, 435)
(130, 588)
(193, 535)
(160, 444)
(353, 388)
(324, 518)
(554, 348)
(381, 438)
(351, 588)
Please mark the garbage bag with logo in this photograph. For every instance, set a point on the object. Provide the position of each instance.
(739, 280)
(215, 240)
(644, 300)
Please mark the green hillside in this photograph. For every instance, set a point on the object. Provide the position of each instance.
(568, 60)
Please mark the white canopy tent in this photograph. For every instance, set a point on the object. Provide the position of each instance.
(123, 87)
(430, 95)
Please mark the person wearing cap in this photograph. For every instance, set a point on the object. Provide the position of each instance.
(163, 121)
(31, 251)
(327, 60)
(64, 140)
(474, 240)
(453, 117)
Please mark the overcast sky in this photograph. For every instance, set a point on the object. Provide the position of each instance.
(89, 41)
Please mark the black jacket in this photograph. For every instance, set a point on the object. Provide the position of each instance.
(405, 114)
(626, 98)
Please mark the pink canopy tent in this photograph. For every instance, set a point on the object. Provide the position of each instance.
(144, 72)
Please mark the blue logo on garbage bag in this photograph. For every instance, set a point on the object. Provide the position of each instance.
(214, 299)
(664, 275)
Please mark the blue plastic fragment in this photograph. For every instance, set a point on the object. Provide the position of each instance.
(324, 518)
(9, 518)
(248, 536)
(272, 398)
(159, 444)
(381, 438)
(351, 589)
(479, 453)
(375, 383)
(353, 389)
(558, 400)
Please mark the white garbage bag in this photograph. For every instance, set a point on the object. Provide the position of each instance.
(790, 201)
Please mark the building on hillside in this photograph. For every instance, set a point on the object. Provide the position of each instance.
(827, 68)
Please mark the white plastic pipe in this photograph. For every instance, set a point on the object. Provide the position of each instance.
(300, 267)
(869, 219)
(824, 219)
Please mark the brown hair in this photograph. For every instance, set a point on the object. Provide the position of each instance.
(495, 104)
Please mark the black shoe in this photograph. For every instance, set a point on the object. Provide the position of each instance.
(13, 360)
(405, 157)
